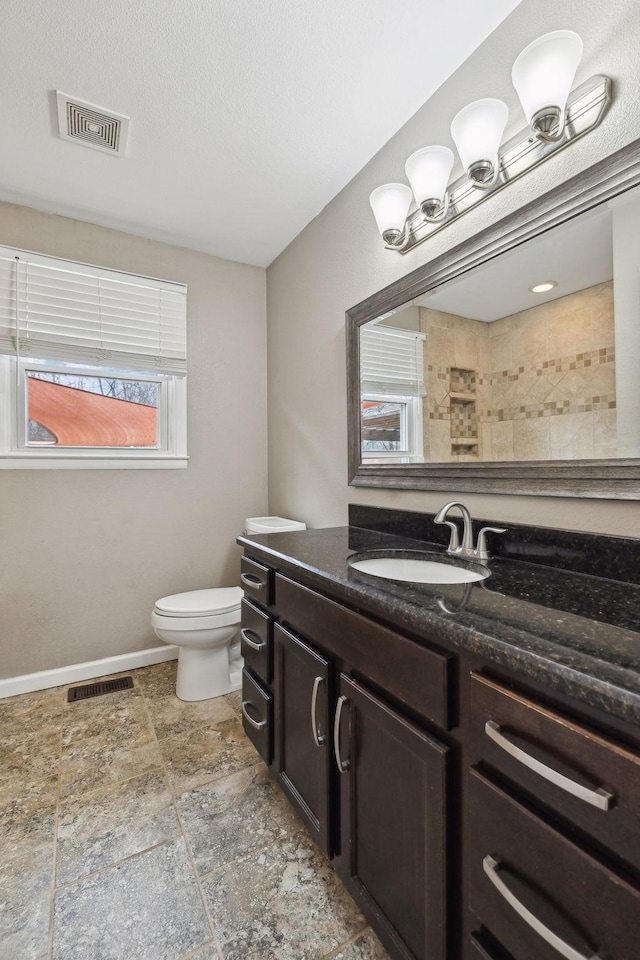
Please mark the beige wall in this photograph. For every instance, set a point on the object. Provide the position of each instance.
(84, 554)
(339, 260)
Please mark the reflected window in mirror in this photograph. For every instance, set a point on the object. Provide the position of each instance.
(392, 389)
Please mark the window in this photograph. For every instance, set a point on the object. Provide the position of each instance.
(92, 366)
(392, 388)
(386, 424)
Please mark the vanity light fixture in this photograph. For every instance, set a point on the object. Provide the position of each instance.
(543, 287)
(543, 75)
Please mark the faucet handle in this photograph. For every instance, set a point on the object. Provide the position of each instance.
(454, 540)
(482, 552)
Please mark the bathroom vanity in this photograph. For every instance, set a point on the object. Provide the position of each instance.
(467, 755)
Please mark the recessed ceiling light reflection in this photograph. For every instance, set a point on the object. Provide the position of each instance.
(543, 287)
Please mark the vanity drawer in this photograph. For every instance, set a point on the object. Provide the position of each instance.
(555, 758)
(415, 675)
(257, 715)
(256, 641)
(257, 581)
(540, 895)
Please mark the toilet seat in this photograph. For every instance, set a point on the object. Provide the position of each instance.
(216, 602)
(193, 624)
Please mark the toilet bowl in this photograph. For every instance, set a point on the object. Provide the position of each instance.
(204, 625)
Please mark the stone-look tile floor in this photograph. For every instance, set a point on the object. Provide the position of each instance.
(134, 826)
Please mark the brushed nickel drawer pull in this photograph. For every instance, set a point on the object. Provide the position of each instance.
(343, 765)
(319, 738)
(251, 581)
(491, 866)
(256, 724)
(246, 636)
(599, 797)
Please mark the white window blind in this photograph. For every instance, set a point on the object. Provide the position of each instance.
(391, 361)
(59, 310)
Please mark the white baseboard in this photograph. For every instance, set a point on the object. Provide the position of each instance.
(90, 670)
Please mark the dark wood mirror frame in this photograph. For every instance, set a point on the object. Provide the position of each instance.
(608, 479)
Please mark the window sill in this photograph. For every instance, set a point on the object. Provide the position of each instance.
(18, 461)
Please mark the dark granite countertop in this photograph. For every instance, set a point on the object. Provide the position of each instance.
(576, 633)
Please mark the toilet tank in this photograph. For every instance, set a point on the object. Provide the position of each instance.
(272, 525)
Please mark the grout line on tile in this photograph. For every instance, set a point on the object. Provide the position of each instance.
(206, 783)
(117, 863)
(199, 950)
(183, 733)
(159, 768)
(258, 764)
(346, 944)
(172, 792)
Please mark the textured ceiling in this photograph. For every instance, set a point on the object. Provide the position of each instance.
(246, 117)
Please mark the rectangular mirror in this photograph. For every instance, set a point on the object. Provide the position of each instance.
(514, 373)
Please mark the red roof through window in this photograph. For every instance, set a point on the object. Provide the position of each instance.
(78, 418)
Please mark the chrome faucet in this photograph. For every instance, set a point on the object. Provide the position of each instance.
(466, 549)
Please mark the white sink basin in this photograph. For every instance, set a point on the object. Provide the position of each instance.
(418, 571)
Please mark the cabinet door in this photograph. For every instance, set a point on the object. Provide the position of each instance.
(392, 840)
(303, 756)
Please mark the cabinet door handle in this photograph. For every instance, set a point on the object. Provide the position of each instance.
(599, 797)
(343, 765)
(491, 866)
(256, 724)
(251, 581)
(246, 636)
(319, 738)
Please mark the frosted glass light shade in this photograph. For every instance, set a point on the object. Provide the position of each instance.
(545, 70)
(390, 204)
(428, 171)
(477, 131)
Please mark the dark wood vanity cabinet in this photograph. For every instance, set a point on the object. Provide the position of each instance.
(469, 819)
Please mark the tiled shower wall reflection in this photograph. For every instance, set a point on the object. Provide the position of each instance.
(537, 385)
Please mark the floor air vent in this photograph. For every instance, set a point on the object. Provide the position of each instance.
(92, 126)
(98, 689)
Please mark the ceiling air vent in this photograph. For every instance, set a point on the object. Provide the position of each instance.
(93, 126)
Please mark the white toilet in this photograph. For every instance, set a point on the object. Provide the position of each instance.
(205, 625)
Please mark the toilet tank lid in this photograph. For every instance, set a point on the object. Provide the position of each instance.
(200, 603)
(272, 525)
